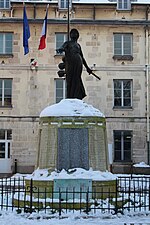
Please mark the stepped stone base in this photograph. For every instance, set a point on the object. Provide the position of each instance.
(100, 189)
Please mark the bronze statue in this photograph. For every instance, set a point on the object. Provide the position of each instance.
(73, 63)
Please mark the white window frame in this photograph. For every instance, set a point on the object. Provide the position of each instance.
(128, 134)
(3, 93)
(122, 93)
(6, 4)
(63, 4)
(7, 142)
(63, 90)
(123, 4)
(4, 44)
(64, 34)
(122, 47)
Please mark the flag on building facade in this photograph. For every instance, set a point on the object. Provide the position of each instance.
(26, 32)
(42, 44)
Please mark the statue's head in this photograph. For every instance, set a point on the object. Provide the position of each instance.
(74, 34)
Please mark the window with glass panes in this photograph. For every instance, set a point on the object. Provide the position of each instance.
(122, 145)
(123, 93)
(5, 143)
(4, 4)
(123, 44)
(60, 39)
(5, 92)
(124, 4)
(6, 43)
(60, 89)
(63, 4)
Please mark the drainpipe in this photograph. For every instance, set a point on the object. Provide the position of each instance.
(34, 12)
(147, 89)
(147, 112)
(38, 154)
(15, 170)
(68, 19)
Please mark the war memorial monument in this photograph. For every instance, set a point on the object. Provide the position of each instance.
(72, 150)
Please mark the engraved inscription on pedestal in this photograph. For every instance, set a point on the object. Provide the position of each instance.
(73, 148)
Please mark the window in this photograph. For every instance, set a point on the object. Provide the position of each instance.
(6, 43)
(60, 85)
(124, 5)
(122, 145)
(60, 39)
(4, 4)
(5, 92)
(63, 4)
(123, 93)
(123, 45)
(5, 143)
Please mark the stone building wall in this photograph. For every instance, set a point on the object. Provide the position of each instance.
(25, 136)
(33, 90)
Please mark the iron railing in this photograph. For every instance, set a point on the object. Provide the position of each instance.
(131, 194)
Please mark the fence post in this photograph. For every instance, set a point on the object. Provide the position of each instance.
(87, 202)
(2, 191)
(59, 202)
(149, 195)
(116, 196)
(31, 189)
(15, 161)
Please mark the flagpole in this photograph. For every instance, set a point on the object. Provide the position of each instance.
(68, 21)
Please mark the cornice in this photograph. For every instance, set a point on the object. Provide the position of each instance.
(80, 21)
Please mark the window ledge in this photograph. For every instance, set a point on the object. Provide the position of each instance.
(59, 55)
(123, 57)
(6, 107)
(123, 162)
(6, 55)
(123, 108)
(5, 9)
(63, 9)
(125, 10)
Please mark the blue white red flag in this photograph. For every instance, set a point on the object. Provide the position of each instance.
(42, 44)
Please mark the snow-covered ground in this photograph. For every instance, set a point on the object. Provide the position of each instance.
(12, 218)
(74, 218)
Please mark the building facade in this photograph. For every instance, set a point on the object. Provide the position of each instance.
(114, 35)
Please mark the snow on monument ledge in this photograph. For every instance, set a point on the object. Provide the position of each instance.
(71, 107)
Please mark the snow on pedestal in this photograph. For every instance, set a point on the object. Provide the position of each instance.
(98, 182)
(71, 107)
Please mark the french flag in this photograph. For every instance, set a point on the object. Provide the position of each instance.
(42, 44)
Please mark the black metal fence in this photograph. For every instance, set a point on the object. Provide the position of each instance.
(131, 194)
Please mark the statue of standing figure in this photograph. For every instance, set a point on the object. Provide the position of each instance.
(73, 63)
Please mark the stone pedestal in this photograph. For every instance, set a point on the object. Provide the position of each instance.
(67, 142)
(72, 139)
